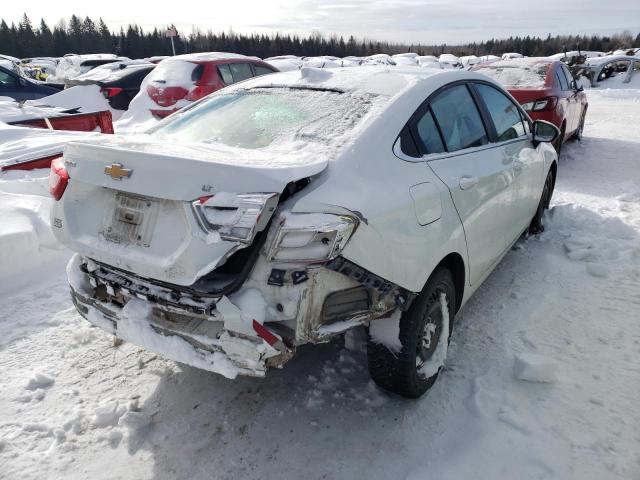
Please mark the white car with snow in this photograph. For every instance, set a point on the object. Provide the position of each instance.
(288, 209)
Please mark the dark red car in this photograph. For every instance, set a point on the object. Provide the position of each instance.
(546, 89)
(178, 81)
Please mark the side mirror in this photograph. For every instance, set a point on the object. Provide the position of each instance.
(22, 82)
(544, 131)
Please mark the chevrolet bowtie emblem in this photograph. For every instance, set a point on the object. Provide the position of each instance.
(117, 172)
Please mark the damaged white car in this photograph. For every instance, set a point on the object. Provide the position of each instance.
(290, 208)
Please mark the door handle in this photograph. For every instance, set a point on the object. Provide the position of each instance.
(467, 182)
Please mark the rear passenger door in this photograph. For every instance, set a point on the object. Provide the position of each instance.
(454, 139)
(513, 141)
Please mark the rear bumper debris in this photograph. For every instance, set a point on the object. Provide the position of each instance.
(221, 341)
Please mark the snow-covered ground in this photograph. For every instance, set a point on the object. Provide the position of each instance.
(542, 378)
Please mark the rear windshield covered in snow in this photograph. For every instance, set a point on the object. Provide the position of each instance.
(263, 117)
(521, 76)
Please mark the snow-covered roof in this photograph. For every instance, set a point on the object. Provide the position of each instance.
(521, 62)
(374, 79)
(209, 56)
(610, 58)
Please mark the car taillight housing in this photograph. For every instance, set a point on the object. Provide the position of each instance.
(235, 217)
(58, 178)
(311, 237)
(198, 92)
(166, 96)
(109, 92)
(547, 103)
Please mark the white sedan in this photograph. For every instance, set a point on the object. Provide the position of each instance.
(290, 208)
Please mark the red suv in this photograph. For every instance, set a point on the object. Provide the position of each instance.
(178, 81)
(547, 91)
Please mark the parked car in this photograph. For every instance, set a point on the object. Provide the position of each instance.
(285, 63)
(429, 61)
(290, 209)
(449, 61)
(118, 82)
(546, 89)
(181, 80)
(15, 86)
(72, 65)
(622, 67)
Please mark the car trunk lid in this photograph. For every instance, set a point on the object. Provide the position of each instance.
(132, 204)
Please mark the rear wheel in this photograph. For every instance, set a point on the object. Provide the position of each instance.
(578, 133)
(414, 369)
(536, 225)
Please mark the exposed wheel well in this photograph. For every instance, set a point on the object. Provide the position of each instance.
(455, 264)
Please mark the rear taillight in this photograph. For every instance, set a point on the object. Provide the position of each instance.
(166, 96)
(58, 178)
(109, 92)
(198, 92)
(235, 217)
(547, 103)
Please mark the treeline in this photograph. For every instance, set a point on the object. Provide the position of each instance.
(88, 36)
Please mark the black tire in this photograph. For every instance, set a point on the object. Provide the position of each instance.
(399, 372)
(578, 133)
(536, 225)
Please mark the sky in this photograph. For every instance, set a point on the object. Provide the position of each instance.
(403, 21)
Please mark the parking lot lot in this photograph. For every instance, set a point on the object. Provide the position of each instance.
(77, 406)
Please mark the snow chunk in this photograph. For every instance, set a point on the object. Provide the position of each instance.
(531, 367)
(107, 415)
(251, 303)
(134, 327)
(386, 331)
(39, 380)
(597, 269)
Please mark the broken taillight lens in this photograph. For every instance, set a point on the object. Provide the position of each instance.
(58, 178)
(235, 217)
(311, 237)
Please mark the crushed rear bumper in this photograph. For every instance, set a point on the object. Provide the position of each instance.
(221, 341)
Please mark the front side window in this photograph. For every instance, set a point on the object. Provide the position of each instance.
(504, 113)
(564, 85)
(459, 119)
(7, 79)
(569, 76)
(260, 70)
(240, 71)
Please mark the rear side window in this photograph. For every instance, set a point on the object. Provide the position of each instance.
(240, 71)
(504, 113)
(225, 74)
(568, 75)
(197, 72)
(459, 119)
(428, 134)
(564, 85)
(260, 70)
